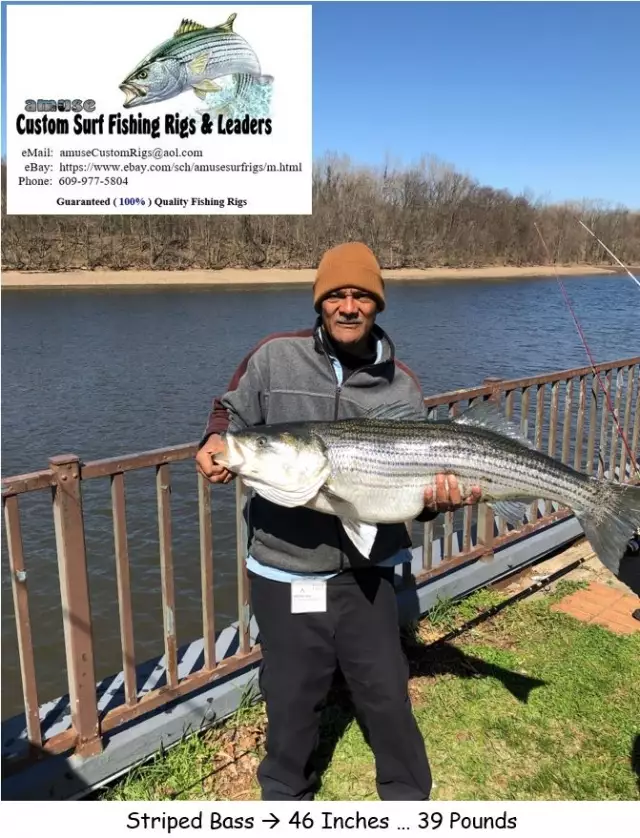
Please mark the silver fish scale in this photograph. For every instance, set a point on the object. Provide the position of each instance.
(223, 48)
(219, 53)
(397, 453)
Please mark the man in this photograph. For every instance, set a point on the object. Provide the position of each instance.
(341, 368)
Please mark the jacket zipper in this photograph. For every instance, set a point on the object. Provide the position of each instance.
(336, 410)
(337, 399)
(339, 387)
(336, 403)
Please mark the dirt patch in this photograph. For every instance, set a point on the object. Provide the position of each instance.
(236, 754)
(495, 633)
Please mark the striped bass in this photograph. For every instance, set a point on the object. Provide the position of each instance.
(375, 470)
(193, 58)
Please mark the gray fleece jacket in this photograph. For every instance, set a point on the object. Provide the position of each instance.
(291, 377)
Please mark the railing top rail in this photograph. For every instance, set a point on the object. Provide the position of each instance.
(141, 459)
(27, 482)
(517, 383)
(21, 483)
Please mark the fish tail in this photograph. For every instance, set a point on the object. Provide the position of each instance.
(610, 523)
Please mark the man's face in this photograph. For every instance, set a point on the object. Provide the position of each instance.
(348, 315)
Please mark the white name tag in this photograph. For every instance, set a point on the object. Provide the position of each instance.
(308, 596)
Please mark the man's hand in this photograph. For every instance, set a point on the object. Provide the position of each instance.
(447, 495)
(205, 461)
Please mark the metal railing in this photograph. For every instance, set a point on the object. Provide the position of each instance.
(477, 536)
(584, 412)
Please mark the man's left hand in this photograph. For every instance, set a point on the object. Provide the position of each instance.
(447, 495)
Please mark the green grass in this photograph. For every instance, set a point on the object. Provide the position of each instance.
(448, 614)
(187, 770)
(529, 704)
(570, 738)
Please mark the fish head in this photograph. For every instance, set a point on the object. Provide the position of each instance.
(282, 457)
(153, 80)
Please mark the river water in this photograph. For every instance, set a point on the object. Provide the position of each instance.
(106, 373)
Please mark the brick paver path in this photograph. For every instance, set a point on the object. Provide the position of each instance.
(608, 607)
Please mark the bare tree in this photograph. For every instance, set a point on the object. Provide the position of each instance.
(424, 215)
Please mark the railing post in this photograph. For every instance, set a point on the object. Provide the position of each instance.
(485, 526)
(23, 621)
(494, 383)
(485, 529)
(76, 609)
(242, 543)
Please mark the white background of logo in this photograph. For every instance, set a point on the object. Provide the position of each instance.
(79, 51)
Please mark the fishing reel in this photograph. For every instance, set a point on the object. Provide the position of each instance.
(633, 545)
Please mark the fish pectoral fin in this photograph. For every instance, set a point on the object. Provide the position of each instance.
(208, 85)
(188, 26)
(199, 65)
(512, 511)
(203, 87)
(487, 415)
(361, 534)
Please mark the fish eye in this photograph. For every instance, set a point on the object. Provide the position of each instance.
(261, 441)
(143, 74)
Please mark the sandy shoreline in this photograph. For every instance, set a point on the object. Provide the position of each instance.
(276, 277)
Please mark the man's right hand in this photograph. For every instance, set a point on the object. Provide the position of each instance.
(205, 461)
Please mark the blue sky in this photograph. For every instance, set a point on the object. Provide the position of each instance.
(544, 96)
(539, 96)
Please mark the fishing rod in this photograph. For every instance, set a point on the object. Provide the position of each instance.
(583, 338)
(613, 255)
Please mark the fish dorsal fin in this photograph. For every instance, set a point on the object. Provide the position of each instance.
(188, 26)
(227, 26)
(486, 415)
(397, 411)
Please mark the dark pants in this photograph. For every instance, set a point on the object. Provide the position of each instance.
(359, 631)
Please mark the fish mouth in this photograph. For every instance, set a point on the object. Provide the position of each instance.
(132, 92)
(230, 457)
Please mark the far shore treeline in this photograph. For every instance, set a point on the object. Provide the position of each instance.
(418, 216)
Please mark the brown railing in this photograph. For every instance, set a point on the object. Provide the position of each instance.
(541, 395)
(583, 412)
(64, 477)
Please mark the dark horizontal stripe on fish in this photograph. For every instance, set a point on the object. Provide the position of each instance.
(410, 459)
(202, 44)
(220, 55)
(208, 37)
